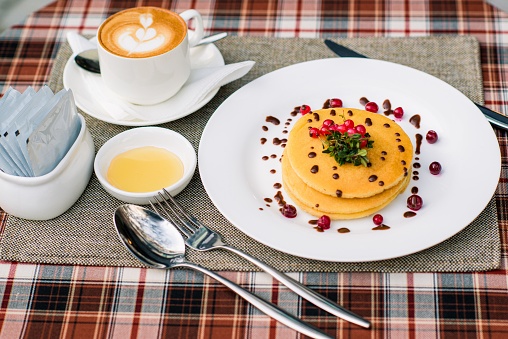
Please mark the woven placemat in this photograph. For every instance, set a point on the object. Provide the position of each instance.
(85, 234)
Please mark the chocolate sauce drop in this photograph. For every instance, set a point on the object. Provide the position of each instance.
(364, 101)
(419, 138)
(314, 169)
(368, 122)
(343, 230)
(381, 227)
(409, 214)
(263, 140)
(277, 141)
(312, 154)
(272, 120)
(279, 198)
(373, 178)
(415, 120)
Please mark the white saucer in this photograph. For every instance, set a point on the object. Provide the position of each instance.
(201, 56)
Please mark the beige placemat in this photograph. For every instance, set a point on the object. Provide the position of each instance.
(85, 234)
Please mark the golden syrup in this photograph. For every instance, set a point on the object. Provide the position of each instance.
(144, 169)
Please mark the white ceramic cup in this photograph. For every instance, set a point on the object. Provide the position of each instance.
(152, 79)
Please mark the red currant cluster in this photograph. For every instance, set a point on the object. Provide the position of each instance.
(348, 127)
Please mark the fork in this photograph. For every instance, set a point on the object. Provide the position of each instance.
(201, 238)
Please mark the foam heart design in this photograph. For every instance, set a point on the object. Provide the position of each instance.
(146, 20)
(150, 34)
(140, 34)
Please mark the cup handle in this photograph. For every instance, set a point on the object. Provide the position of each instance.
(199, 31)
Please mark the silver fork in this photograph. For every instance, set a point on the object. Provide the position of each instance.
(201, 238)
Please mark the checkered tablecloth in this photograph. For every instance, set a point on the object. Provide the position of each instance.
(115, 302)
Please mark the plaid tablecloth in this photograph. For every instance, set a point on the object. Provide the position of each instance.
(96, 302)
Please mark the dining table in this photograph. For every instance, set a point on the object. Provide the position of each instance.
(70, 277)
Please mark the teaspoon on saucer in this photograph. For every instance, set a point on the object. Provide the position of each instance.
(89, 59)
(157, 243)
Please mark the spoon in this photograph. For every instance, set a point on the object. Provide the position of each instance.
(89, 59)
(157, 243)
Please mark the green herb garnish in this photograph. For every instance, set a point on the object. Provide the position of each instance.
(346, 148)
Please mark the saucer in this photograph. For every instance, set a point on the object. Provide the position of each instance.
(201, 56)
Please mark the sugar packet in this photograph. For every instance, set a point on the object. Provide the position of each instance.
(52, 138)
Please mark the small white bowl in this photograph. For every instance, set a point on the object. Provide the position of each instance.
(139, 137)
(47, 196)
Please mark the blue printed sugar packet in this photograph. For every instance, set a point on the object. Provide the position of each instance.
(7, 114)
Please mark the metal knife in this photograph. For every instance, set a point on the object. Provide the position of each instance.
(496, 119)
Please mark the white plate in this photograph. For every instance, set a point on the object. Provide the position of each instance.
(238, 180)
(201, 56)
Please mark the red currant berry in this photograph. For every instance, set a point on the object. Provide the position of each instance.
(431, 137)
(414, 202)
(363, 143)
(398, 112)
(328, 122)
(289, 211)
(334, 128)
(349, 123)
(377, 219)
(351, 131)
(304, 109)
(371, 106)
(314, 132)
(360, 129)
(324, 130)
(435, 168)
(342, 128)
(324, 222)
(335, 102)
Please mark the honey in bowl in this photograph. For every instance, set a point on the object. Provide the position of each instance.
(144, 169)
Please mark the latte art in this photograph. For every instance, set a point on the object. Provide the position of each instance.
(142, 32)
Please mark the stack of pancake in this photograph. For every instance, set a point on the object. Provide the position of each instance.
(320, 186)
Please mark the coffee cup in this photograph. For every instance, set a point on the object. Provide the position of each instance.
(144, 52)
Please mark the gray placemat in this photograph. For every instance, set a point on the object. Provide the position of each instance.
(85, 234)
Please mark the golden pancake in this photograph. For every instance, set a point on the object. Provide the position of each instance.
(344, 216)
(326, 204)
(390, 157)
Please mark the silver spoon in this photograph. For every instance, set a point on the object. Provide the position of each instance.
(157, 243)
(89, 59)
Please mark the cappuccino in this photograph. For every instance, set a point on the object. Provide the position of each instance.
(142, 32)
